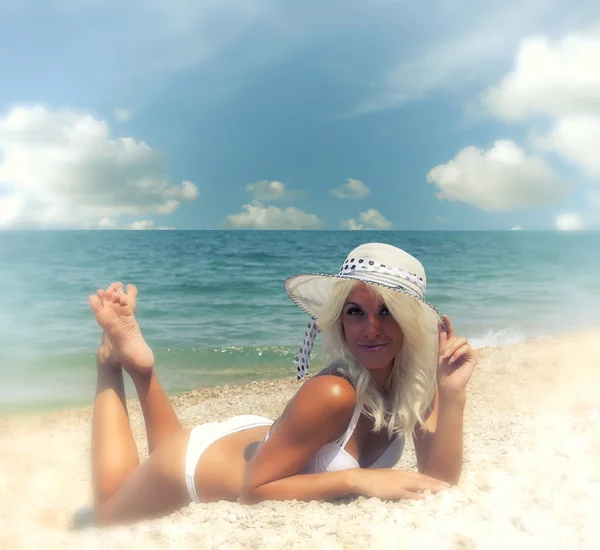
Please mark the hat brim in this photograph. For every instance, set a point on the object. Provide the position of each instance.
(310, 291)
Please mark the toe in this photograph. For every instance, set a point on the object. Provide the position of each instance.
(95, 303)
(132, 292)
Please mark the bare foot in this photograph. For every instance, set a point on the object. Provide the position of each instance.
(105, 356)
(122, 342)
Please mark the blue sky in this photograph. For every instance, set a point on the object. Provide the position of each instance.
(261, 114)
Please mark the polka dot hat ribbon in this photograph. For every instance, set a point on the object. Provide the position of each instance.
(353, 266)
(303, 358)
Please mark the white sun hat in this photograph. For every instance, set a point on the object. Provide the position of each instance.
(375, 263)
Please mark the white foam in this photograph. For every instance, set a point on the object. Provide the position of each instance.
(494, 338)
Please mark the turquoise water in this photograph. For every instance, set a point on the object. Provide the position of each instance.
(213, 307)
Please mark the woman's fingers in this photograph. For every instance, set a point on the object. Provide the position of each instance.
(465, 348)
(448, 347)
(453, 344)
(449, 327)
(392, 484)
(421, 482)
(434, 486)
(411, 495)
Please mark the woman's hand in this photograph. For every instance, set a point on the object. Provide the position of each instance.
(390, 484)
(456, 362)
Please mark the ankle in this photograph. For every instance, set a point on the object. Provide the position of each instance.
(107, 364)
(139, 376)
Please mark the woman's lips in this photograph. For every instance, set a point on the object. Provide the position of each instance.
(372, 347)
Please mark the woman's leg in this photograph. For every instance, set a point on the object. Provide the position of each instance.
(138, 360)
(124, 489)
(159, 416)
(118, 484)
(155, 488)
(114, 452)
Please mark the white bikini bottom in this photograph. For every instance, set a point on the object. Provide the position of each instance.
(204, 435)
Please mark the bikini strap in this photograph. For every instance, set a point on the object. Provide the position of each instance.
(351, 427)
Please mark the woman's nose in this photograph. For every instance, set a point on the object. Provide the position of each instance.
(373, 325)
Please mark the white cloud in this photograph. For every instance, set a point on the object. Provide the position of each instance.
(461, 44)
(108, 223)
(122, 115)
(188, 191)
(516, 228)
(140, 225)
(59, 168)
(558, 81)
(352, 189)
(271, 191)
(569, 221)
(370, 219)
(576, 138)
(551, 78)
(10, 207)
(499, 179)
(258, 216)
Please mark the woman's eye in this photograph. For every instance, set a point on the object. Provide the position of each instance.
(385, 311)
(353, 311)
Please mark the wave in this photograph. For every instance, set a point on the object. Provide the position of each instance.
(495, 338)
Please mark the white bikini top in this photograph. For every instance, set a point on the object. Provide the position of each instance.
(333, 457)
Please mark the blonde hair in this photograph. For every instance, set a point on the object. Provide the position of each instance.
(412, 381)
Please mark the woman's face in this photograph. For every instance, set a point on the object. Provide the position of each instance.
(371, 333)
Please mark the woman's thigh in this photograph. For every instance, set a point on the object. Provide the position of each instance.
(155, 488)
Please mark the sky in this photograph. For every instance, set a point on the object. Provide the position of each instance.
(328, 114)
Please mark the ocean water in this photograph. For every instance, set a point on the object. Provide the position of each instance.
(213, 307)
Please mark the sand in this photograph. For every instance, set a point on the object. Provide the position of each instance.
(531, 475)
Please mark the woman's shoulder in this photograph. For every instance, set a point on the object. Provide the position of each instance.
(331, 390)
(325, 399)
(336, 369)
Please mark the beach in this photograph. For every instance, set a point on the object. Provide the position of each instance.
(531, 476)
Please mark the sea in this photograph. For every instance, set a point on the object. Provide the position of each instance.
(212, 304)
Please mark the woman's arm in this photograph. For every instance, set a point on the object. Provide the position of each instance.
(383, 483)
(320, 413)
(305, 487)
(439, 445)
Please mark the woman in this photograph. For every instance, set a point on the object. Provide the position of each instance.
(396, 368)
